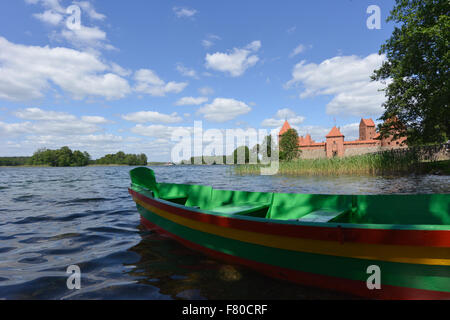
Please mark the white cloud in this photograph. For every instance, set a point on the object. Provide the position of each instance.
(119, 70)
(90, 38)
(49, 4)
(62, 128)
(234, 62)
(210, 40)
(206, 91)
(281, 116)
(223, 109)
(49, 16)
(26, 72)
(95, 119)
(350, 131)
(347, 79)
(184, 12)
(152, 116)
(147, 81)
(87, 7)
(41, 115)
(85, 36)
(299, 49)
(54, 129)
(191, 101)
(96, 145)
(156, 131)
(187, 72)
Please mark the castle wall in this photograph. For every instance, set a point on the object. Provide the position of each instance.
(349, 152)
(317, 153)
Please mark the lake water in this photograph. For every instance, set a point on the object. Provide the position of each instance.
(51, 218)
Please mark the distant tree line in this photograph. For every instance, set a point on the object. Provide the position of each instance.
(123, 159)
(14, 161)
(65, 157)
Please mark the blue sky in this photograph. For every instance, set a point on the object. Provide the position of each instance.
(135, 70)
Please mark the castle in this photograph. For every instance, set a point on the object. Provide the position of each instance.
(335, 145)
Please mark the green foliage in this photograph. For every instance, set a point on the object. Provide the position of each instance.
(242, 151)
(63, 157)
(120, 158)
(14, 161)
(289, 148)
(417, 65)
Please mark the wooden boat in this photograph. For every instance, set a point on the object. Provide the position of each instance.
(327, 241)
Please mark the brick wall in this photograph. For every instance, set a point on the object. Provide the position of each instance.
(313, 154)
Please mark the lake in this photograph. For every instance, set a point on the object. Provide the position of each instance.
(51, 218)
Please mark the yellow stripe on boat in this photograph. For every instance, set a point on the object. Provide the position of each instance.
(391, 253)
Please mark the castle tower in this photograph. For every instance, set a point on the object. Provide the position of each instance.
(366, 129)
(286, 126)
(335, 143)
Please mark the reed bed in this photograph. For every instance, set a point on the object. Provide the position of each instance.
(389, 162)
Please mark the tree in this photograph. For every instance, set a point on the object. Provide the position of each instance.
(417, 68)
(289, 148)
(239, 152)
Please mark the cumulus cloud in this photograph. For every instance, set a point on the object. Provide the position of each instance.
(156, 131)
(85, 36)
(49, 122)
(223, 109)
(82, 37)
(41, 115)
(187, 72)
(191, 101)
(95, 119)
(147, 81)
(347, 79)
(281, 116)
(206, 91)
(235, 62)
(152, 116)
(54, 129)
(26, 72)
(49, 16)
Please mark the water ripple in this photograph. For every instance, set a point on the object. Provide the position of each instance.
(85, 217)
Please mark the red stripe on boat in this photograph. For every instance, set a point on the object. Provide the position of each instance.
(432, 238)
(354, 287)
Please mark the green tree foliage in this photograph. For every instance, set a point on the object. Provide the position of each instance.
(63, 157)
(120, 158)
(289, 148)
(14, 161)
(417, 67)
(242, 151)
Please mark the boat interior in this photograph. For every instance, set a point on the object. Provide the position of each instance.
(425, 209)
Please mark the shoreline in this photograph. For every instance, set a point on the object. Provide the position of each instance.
(441, 168)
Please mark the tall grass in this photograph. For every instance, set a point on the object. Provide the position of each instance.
(382, 163)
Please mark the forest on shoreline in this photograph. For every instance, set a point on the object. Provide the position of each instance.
(65, 157)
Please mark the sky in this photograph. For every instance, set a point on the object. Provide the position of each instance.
(103, 76)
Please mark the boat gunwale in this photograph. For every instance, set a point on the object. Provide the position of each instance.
(391, 234)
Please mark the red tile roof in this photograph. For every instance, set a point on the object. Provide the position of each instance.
(285, 128)
(368, 122)
(334, 133)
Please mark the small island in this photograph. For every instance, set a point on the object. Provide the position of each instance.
(65, 157)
